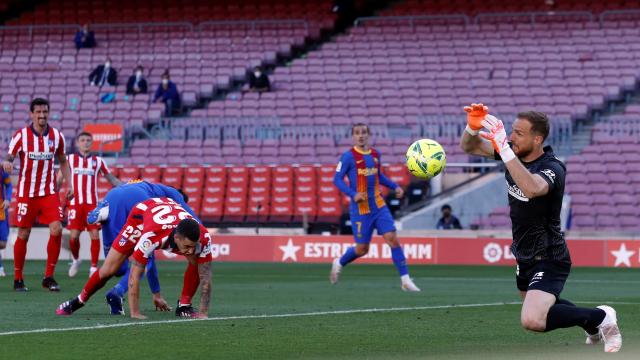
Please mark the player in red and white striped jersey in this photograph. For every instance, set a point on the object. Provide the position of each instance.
(85, 168)
(37, 146)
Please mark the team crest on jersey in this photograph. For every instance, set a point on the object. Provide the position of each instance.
(50, 143)
(550, 174)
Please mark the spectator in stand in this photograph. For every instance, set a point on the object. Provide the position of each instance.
(85, 38)
(448, 221)
(137, 84)
(167, 92)
(104, 75)
(259, 81)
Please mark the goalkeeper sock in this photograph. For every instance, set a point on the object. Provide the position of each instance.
(564, 302)
(397, 255)
(564, 316)
(348, 256)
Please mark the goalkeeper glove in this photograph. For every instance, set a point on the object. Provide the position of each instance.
(498, 137)
(475, 115)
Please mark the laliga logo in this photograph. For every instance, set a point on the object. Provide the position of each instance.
(492, 252)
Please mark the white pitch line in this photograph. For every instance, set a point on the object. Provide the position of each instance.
(265, 316)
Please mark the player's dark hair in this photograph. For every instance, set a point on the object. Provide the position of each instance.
(184, 195)
(37, 102)
(445, 206)
(84, 133)
(354, 126)
(189, 228)
(539, 122)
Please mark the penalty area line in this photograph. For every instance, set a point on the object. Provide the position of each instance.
(250, 317)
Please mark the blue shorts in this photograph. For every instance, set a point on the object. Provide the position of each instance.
(4, 227)
(363, 225)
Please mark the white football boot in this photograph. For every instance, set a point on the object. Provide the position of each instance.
(2, 273)
(336, 268)
(75, 266)
(408, 285)
(609, 331)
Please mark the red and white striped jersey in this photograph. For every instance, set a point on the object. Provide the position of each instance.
(84, 174)
(37, 154)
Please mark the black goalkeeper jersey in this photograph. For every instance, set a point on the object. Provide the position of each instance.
(536, 222)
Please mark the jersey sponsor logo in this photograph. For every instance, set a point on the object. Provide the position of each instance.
(87, 172)
(515, 191)
(550, 174)
(368, 171)
(39, 155)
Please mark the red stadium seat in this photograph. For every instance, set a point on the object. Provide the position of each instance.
(398, 174)
(258, 207)
(212, 209)
(172, 176)
(305, 205)
(326, 174)
(194, 174)
(216, 174)
(281, 208)
(305, 175)
(235, 208)
(151, 173)
(128, 173)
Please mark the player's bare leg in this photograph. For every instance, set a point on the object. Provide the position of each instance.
(74, 246)
(535, 308)
(112, 263)
(350, 255)
(19, 255)
(397, 254)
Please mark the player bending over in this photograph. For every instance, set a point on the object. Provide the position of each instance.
(85, 168)
(368, 209)
(113, 212)
(535, 179)
(154, 224)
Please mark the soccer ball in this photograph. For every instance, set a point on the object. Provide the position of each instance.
(426, 159)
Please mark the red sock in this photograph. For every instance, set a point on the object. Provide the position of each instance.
(189, 284)
(19, 255)
(95, 252)
(94, 284)
(74, 246)
(53, 252)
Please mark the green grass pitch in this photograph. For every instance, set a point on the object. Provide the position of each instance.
(319, 321)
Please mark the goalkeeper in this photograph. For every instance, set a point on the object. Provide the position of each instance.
(535, 180)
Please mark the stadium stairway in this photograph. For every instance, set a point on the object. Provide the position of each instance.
(475, 198)
(342, 24)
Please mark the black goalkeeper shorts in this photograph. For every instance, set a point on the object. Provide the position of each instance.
(547, 276)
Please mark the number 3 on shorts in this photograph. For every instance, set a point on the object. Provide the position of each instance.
(22, 209)
(71, 214)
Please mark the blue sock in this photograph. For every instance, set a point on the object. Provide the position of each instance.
(152, 276)
(399, 260)
(348, 256)
(121, 287)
